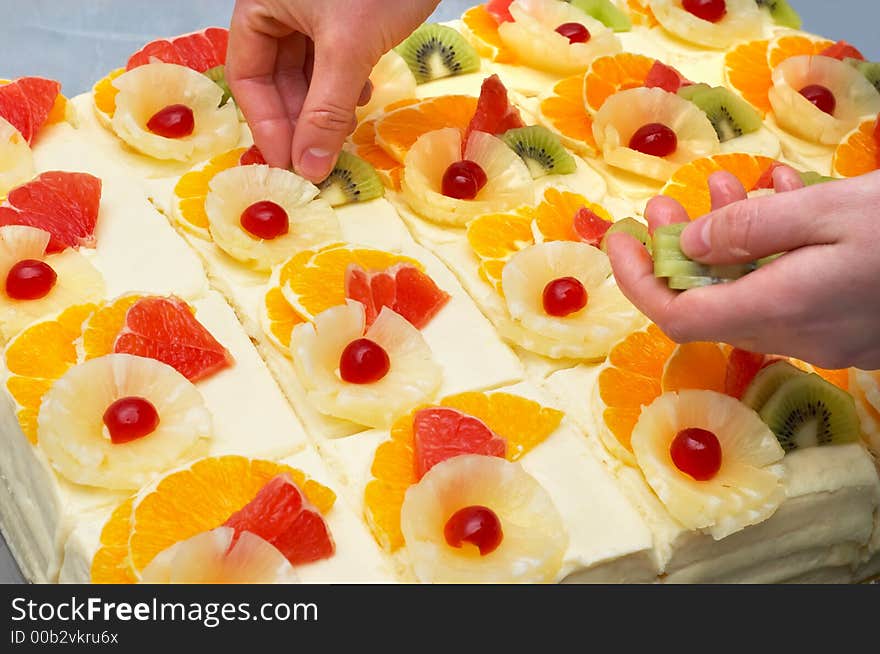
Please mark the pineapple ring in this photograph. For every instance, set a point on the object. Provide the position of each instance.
(856, 98)
(743, 22)
(588, 334)
(16, 158)
(392, 81)
(534, 535)
(413, 379)
(312, 220)
(746, 490)
(533, 37)
(509, 184)
(78, 281)
(211, 558)
(624, 113)
(73, 435)
(146, 90)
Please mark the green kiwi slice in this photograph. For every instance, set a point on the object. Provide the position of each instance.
(541, 151)
(730, 115)
(807, 411)
(666, 242)
(686, 283)
(605, 12)
(436, 51)
(629, 226)
(684, 273)
(782, 13)
(767, 382)
(810, 178)
(870, 69)
(352, 180)
(688, 268)
(218, 76)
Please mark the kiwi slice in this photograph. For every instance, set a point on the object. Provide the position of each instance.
(730, 115)
(811, 179)
(688, 268)
(684, 273)
(870, 69)
(782, 13)
(218, 76)
(352, 180)
(437, 51)
(541, 150)
(767, 382)
(666, 242)
(686, 283)
(605, 12)
(807, 411)
(629, 226)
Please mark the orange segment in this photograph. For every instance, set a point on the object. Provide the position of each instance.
(315, 281)
(282, 317)
(496, 237)
(110, 564)
(483, 32)
(621, 421)
(564, 112)
(554, 217)
(59, 111)
(40, 355)
(786, 47)
(105, 94)
(698, 366)
(397, 131)
(202, 497)
(858, 154)
(364, 140)
(643, 352)
(609, 75)
(641, 13)
(103, 327)
(747, 71)
(690, 184)
(192, 189)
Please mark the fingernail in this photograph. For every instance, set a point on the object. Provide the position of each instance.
(696, 239)
(315, 163)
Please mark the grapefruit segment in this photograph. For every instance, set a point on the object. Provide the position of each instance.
(64, 204)
(403, 288)
(500, 10)
(200, 51)
(442, 433)
(494, 114)
(28, 102)
(280, 515)
(843, 50)
(590, 226)
(165, 329)
(742, 366)
(665, 77)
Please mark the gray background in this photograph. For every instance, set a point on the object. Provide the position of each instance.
(79, 41)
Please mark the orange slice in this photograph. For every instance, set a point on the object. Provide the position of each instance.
(747, 71)
(554, 217)
(38, 357)
(609, 75)
(858, 154)
(482, 32)
(523, 423)
(786, 47)
(314, 281)
(192, 189)
(496, 237)
(104, 94)
(690, 184)
(398, 130)
(641, 13)
(280, 317)
(564, 112)
(188, 502)
(698, 366)
(364, 139)
(103, 327)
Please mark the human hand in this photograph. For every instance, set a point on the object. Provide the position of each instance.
(299, 68)
(820, 302)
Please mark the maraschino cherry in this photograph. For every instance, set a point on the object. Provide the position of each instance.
(821, 97)
(477, 525)
(654, 139)
(30, 279)
(708, 10)
(130, 418)
(463, 180)
(565, 296)
(696, 452)
(363, 362)
(265, 220)
(574, 32)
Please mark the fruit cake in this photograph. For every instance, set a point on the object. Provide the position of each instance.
(422, 370)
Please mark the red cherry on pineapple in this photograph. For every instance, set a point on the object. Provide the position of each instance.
(574, 32)
(130, 418)
(655, 139)
(173, 122)
(708, 10)
(463, 180)
(30, 280)
(265, 220)
(477, 525)
(363, 362)
(696, 452)
(821, 97)
(564, 296)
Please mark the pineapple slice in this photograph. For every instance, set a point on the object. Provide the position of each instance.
(509, 182)
(855, 98)
(742, 22)
(215, 557)
(624, 113)
(588, 333)
(745, 490)
(147, 90)
(865, 389)
(533, 37)
(533, 538)
(73, 422)
(392, 81)
(16, 158)
(312, 221)
(76, 281)
(320, 352)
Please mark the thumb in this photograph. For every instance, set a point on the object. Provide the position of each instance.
(328, 113)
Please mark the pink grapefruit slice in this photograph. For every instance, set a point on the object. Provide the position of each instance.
(27, 103)
(403, 288)
(495, 114)
(442, 433)
(200, 51)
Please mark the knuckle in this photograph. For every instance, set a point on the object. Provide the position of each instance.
(738, 228)
(331, 118)
(676, 330)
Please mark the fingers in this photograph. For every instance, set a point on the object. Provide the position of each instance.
(290, 75)
(786, 179)
(250, 69)
(725, 188)
(337, 83)
(634, 273)
(662, 210)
